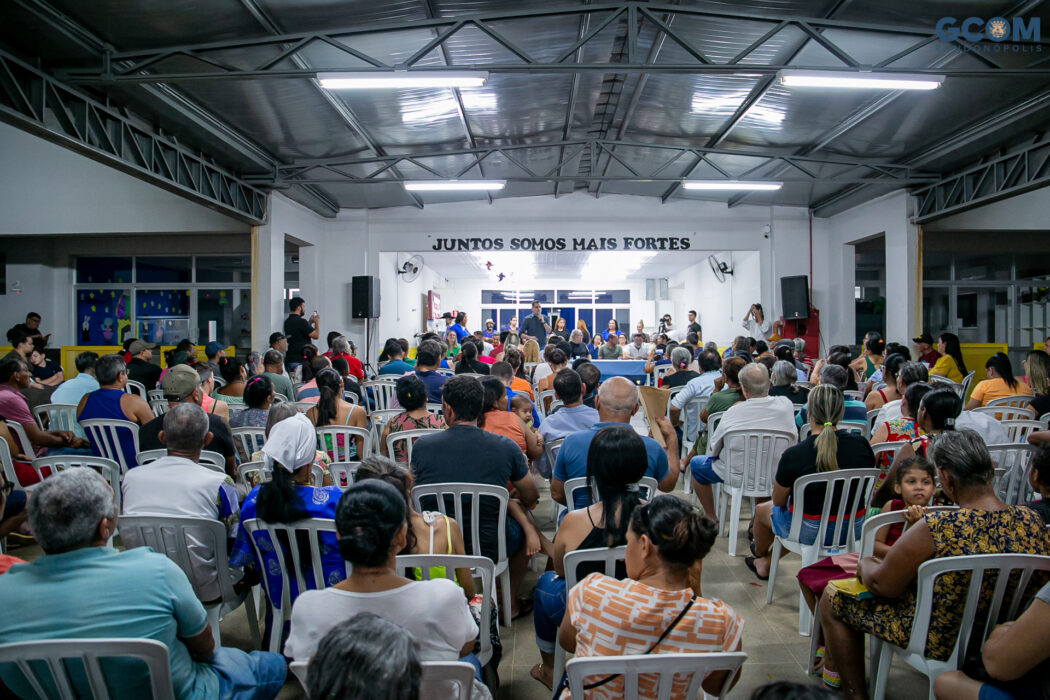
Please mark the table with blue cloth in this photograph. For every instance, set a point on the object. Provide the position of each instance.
(633, 370)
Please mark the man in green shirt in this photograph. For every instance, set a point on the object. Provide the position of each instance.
(273, 364)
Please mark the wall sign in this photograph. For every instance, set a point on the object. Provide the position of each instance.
(583, 243)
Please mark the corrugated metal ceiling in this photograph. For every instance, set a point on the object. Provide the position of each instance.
(291, 120)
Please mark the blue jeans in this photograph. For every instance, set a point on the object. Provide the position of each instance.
(548, 609)
(780, 518)
(515, 536)
(255, 676)
(701, 470)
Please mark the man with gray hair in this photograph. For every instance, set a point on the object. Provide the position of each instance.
(82, 589)
(758, 411)
(178, 485)
(617, 401)
(837, 376)
(182, 384)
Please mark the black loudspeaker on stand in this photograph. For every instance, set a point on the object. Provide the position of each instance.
(794, 297)
(364, 303)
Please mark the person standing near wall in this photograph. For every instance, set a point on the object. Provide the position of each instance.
(299, 331)
(535, 326)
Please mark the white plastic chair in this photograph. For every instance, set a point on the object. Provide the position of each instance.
(890, 448)
(209, 459)
(1045, 420)
(543, 401)
(377, 421)
(20, 436)
(220, 382)
(408, 437)
(351, 397)
(435, 409)
(1019, 430)
(713, 419)
(648, 489)
(1016, 459)
(609, 557)
(979, 566)
(1017, 401)
(665, 667)
(198, 546)
(329, 438)
(444, 372)
(282, 542)
(435, 495)
(865, 548)
(304, 406)
(53, 464)
(155, 395)
(59, 416)
(873, 414)
(854, 487)
(943, 382)
(105, 435)
(853, 395)
(382, 391)
(249, 440)
(159, 406)
(753, 477)
(251, 474)
(343, 473)
(660, 372)
(48, 666)
(481, 569)
(136, 388)
(1005, 413)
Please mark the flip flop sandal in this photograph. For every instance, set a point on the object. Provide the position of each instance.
(524, 608)
(831, 679)
(749, 562)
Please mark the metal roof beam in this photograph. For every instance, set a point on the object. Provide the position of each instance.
(341, 109)
(290, 45)
(1008, 175)
(36, 102)
(172, 100)
(941, 64)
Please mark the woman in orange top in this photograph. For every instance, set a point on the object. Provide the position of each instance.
(514, 358)
(1000, 383)
(497, 419)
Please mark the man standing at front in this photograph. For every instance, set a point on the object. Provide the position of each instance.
(535, 326)
(299, 332)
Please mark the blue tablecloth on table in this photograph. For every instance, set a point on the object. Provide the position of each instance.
(634, 370)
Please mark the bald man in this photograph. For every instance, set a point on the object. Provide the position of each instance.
(616, 402)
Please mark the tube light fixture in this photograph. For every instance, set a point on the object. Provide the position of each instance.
(730, 185)
(401, 79)
(859, 80)
(453, 185)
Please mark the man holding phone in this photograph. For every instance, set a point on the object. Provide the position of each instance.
(299, 331)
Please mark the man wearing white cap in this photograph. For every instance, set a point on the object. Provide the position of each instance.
(288, 497)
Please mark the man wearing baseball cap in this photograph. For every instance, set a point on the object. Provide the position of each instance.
(140, 369)
(279, 342)
(213, 351)
(927, 353)
(182, 384)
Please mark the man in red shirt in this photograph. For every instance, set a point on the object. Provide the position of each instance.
(924, 344)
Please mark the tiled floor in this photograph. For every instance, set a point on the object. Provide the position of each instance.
(775, 649)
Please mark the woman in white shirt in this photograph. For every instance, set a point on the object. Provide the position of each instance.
(756, 324)
(372, 521)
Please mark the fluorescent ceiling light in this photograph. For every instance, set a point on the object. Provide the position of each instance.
(853, 79)
(453, 185)
(605, 265)
(401, 79)
(730, 185)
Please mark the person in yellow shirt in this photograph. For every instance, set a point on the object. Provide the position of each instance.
(1000, 383)
(950, 364)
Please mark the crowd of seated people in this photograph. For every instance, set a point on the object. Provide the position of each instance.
(492, 431)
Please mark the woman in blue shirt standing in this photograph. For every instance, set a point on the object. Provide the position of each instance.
(460, 326)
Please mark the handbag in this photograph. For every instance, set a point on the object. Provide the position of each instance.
(564, 682)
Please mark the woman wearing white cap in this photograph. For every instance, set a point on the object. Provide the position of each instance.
(288, 497)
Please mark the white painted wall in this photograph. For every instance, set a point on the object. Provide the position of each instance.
(50, 189)
(720, 306)
(834, 267)
(403, 303)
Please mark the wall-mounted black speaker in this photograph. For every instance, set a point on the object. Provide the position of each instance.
(364, 297)
(794, 297)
